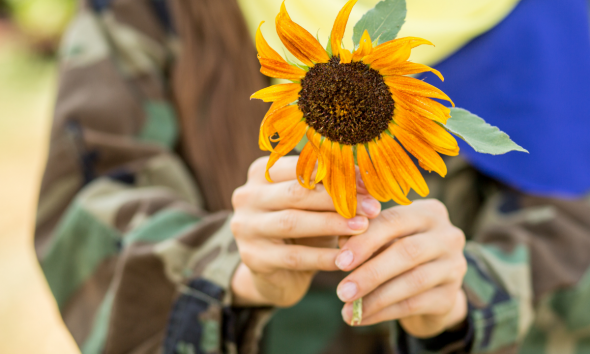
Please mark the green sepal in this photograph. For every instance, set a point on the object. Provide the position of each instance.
(383, 22)
(290, 62)
(329, 46)
(481, 136)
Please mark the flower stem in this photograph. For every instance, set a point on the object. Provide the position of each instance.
(357, 312)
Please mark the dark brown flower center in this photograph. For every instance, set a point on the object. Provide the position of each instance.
(347, 103)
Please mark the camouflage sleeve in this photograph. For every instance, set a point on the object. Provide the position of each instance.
(133, 260)
(528, 280)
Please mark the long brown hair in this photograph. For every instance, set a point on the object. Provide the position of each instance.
(212, 81)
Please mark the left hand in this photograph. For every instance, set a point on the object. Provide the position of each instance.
(410, 268)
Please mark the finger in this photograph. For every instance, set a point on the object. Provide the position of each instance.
(413, 282)
(408, 253)
(283, 170)
(391, 224)
(437, 301)
(291, 195)
(265, 257)
(293, 223)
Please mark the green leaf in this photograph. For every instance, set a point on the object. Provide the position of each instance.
(481, 136)
(383, 22)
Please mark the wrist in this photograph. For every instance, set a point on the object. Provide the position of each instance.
(243, 288)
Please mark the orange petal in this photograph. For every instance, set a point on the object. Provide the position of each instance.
(345, 56)
(416, 87)
(403, 167)
(284, 119)
(393, 52)
(288, 142)
(340, 26)
(342, 181)
(316, 139)
(428, 158)
(277, 92)
(306, 164)
(280, 70)
(365, 47)
(369, 175)
(264, 50)
(421, 105)
(298, 41)
(277, 122)
(409, 68)
(435, 135)
(382, 166)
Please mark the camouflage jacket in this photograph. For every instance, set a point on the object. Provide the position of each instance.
(137, 265)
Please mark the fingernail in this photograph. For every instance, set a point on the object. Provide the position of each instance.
(344, 259)
(357, 223)
(347, 291)
(370, 206)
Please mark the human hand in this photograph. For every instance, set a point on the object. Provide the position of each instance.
(286, 233)
(410, 268)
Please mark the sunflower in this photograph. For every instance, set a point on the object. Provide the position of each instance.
(353, 106)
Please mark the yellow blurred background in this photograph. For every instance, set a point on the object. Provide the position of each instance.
(29, 31)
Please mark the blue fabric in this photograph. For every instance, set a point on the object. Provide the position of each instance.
(530, 76)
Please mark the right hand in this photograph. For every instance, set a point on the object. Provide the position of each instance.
(286, 233)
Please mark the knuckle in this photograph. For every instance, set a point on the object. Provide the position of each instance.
(248, 257)
(236, 225)
(240, 196)
(391, 216)
(287, 221)
(457, 237)
(258, 167)
(293, 260)
(296, 193)
(418, 278)
(436, 207)
(411, 249)
(374, 274)
(410, 305)
(461, 268)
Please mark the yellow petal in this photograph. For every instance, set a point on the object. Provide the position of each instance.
(422, 105)
(280, 70)
(342, 181)
(326, 160)
(409, 68)
(393, 52)
(282, 118)
(403, 167)
(306, 164)
(315, 139)
(299, 41)
(345, 56)
(412, 86)
(369, 175)
(386, 176)
(340, 26)
(428, 158)
(365, 47)
(288, 142)
(277, 92)
(435, 135)
(264, 50)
